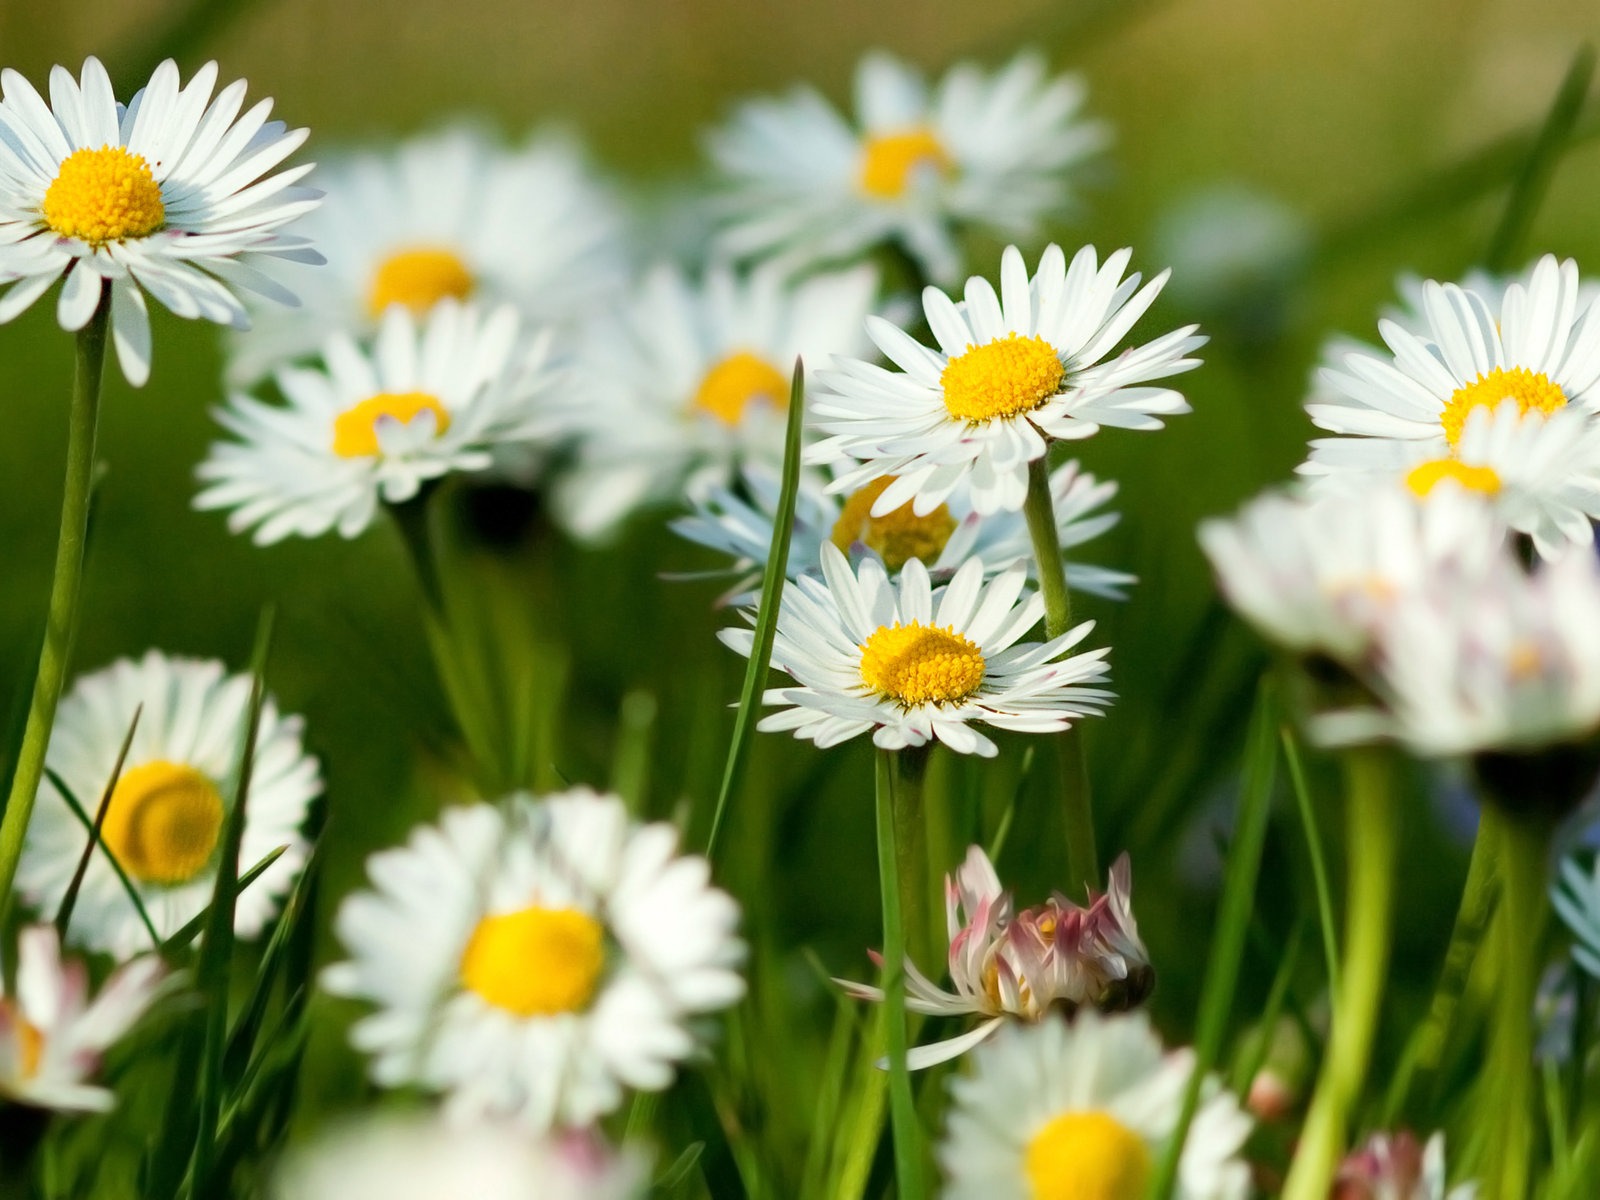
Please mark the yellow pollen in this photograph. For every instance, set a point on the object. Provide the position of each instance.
(29, 1041)
(536, 962)
(921, 664)
(1533, 391)
(1423, 478)
(103, 196)
(1003, 378)
(419, 278)
(890, 161)
(897, 537)
(355, 431)
(1087, 1156)
(737, 382)
(163, 822)
(1525, 661)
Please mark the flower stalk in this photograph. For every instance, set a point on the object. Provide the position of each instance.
(902, 1106)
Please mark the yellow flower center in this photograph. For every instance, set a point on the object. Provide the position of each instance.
(1533, 391)
(355, 431)
(1087, 1156)
(1003, 378)
(419, 278)
(889, 161)
(536, 962)
(29, 1041)
(163, 822)
(737, 382)
(921, 664)
(103, 196)
(897, 537)
(1423, 478)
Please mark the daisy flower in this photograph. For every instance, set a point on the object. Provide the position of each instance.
(914, 664)
(165, 195)
(993, 152)
(1011, 373)
(686, 380)
(1025, 965)
(535, 958)
(459, 390)
(167, 811)
(739, 521)
(450, 214)
(1397, 1167)
(1064, 1111)
(52, 1035)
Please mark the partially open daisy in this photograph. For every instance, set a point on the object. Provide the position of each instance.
(1011, 373)
(1397, 1167)
(912, 664)
(164, 196)
(1080, 1110)
(452, 214)
(988, 151)
(460, 390)
(52, 1034)
(536, 957)
(166, 814)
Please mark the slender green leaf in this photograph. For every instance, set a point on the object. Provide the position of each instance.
(70, 900)
(1250, 1064)
(190, 929)
(1319, 861)
(630, 764)
(92, 829)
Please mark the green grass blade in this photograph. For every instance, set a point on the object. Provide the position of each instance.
(1319, 861)
(630, 769)
(1249, 1065)
(191, 928)
(93, 829)
(902, 1106)
(70, 899)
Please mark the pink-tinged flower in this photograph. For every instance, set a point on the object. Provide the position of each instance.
(52, 1035)
(1024, 964)
(1397, 1167)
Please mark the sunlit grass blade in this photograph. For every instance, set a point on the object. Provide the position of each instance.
(70, 899)
(680, 1173)
(92, 829)
(1319, 862)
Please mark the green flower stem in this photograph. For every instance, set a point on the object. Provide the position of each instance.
(1372, 840)
(911, 852)
(82, 419)
(902, 1106)
(413, 519)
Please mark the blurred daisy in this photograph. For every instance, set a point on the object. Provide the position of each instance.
(1055, 958)
(992, 152)
(164, 196)
(536, 957)
(1397, 1167)
(167, 811)
(52, 1035)
(1576, 898)
(687, 380)
(738, 522)
(1012, 372)
(913, 664)
(459, 390)
(451, 214)
(1066, 1111)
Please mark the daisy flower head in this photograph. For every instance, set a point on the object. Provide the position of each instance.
(52, 1034)
(169, 195)
(1012, 371)
(1065, 1111)
(460, 390)
(449, 214)
(534, 958)
(914, 664)
(989, 151)
(166, 814)
(1397, 1167)
(688, 378)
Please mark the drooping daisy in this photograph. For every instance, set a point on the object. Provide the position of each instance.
(535, 958)
(689, 379)
(164, 196)
(1068, 1111)
(166, 814)
(451, 214)
(992, 152)
(52, 1034)
(460, 390)
(1397, 1167)
(1012, 372)
(1053, 959)
(739, 523)
(914, 664)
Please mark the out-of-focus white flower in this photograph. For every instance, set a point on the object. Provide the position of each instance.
(1397, 1167)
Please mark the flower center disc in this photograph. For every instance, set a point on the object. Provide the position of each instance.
(355, 431)
(536, 962)
(891, 161)
(921, 664)
(27, 1041)
(737, 382)
(1423, 478)
(163, 822)
(418, 279)
(897, 537)
(1003, 378)
(1087, 1156)
(1533, 391)
(102, 196)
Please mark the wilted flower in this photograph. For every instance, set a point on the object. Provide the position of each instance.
(1397, 1167)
